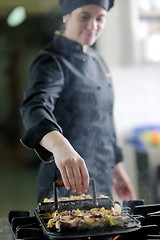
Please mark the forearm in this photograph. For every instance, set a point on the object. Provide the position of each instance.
(71, 165)
(119, 171)
(122, 183)
(54, 139)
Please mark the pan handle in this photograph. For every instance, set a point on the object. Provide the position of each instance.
(60, 183)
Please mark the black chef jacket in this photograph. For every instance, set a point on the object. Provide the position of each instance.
(71, 91)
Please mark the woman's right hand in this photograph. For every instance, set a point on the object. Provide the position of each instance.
(71, 165)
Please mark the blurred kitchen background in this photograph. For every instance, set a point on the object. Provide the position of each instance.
(131, 47)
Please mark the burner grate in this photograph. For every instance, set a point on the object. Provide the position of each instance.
(26, 227)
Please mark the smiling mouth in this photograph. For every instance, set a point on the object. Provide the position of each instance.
(89, 35)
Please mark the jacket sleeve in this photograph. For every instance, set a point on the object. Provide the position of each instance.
(118, 154)
(117, 150)
(46, 82)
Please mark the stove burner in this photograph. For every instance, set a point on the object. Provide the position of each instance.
(26, 227)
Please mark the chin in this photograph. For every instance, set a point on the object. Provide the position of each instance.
(89, 42)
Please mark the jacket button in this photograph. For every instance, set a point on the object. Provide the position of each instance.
(99, 87)
(83, 60)
(78, 47)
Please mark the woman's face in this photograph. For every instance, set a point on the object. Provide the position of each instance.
(84, 25)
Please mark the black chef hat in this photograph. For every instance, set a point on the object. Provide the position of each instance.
(69, 5)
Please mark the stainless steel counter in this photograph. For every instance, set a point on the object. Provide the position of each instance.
(5, 232)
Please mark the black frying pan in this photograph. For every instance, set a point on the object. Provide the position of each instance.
(44, 210)
(75, 234)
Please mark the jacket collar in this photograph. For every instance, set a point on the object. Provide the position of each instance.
(66, 45)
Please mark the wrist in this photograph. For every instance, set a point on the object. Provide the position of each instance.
(53, 140)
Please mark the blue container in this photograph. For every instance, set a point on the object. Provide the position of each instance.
(145, 137)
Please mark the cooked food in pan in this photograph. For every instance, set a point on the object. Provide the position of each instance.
(73, 197)
(87, 219)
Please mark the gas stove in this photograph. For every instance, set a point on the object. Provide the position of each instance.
(24, 226)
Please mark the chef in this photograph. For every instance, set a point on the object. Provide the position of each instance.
(67, 109)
